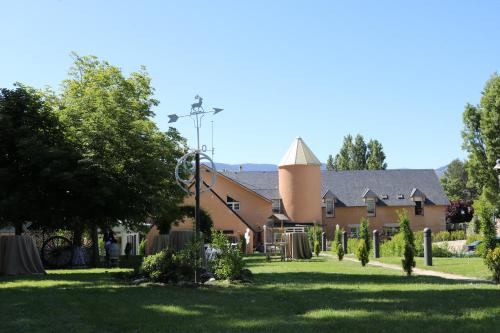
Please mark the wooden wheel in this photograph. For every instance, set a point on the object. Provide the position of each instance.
(57, 252)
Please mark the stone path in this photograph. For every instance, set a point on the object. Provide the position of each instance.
(417, 271)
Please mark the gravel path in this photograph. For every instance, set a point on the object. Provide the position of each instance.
(417, 271)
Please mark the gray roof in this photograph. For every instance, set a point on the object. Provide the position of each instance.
(349, 186)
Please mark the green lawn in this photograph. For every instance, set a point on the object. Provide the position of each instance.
(315, 296)
(473, 267)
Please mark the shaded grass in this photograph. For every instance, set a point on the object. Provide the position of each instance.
(309, 296)
(469, 266)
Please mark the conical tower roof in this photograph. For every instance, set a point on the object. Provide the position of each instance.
(299, 154)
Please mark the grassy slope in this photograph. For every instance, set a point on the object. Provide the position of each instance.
(474, 267)
(313, 296)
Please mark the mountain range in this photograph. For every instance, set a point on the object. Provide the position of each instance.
(273, 167)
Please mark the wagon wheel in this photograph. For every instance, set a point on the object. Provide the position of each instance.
(57, 252)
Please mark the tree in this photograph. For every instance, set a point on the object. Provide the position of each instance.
(362, 252)
(485, 210)
(455, 182)
(408, 261)
(375, 156)
(356, 155)
(330, 163)
(481, 135)
(107, 116)
(36, 161)
(459, 212)
(342, 158)
(364, 233)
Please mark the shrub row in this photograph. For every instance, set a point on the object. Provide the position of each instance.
(445, 236)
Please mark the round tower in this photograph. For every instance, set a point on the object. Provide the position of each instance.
(299, 183)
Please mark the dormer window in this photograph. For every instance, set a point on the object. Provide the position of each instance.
(329, 201)
(233, 204)
(329, 207)
(419, 208)
(418, 197)
(276, 206)
(370, 207)
(370, 198)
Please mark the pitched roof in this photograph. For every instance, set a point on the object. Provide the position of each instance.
(350, 186)
(299, 154)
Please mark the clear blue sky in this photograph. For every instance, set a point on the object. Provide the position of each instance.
(390, 70)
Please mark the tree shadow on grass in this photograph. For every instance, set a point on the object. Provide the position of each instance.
(316, 302)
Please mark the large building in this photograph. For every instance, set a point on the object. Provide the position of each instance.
(299, 192)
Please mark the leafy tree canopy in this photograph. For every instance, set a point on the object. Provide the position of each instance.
(107, 116)
(481, 140)
(357, 155)
(455, 182)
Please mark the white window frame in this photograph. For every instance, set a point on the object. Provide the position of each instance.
(329, 201)
(234, 205)
(368, 203)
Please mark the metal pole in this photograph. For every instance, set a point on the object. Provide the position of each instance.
(197, 207)
(344, 241)
(428, 246)
(376, 244)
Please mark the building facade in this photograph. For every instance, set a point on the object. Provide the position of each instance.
(300, 193)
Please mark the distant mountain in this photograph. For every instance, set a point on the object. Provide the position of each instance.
(246, 167)
(273, 167)
(440, 171)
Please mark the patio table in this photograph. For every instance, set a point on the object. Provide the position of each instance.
(19, 256)
(297, 246)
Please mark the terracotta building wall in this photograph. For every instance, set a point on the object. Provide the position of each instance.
(254, 209)
(434, 218)
(223, 218)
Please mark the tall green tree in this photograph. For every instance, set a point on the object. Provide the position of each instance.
(330, 163)
(358, 154)
(342, 158)
(108, 117)
(481, 140)
(375, 159)
(455, 182)
(36, 161)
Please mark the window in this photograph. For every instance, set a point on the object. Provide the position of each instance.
(390, 231)
(419, 208)
(329, 208)
(277, 206)
(354, 231)
(370, 207)
(233, 204)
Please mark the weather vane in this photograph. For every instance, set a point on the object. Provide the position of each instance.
(185, 162)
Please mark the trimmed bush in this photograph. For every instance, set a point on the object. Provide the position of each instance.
(352, 245)
(362, 252)
(492, 261)
(474, 237)
(445, 236)
(441, 251)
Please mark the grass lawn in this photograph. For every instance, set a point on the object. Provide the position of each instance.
(314, 296)
(473, 267)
